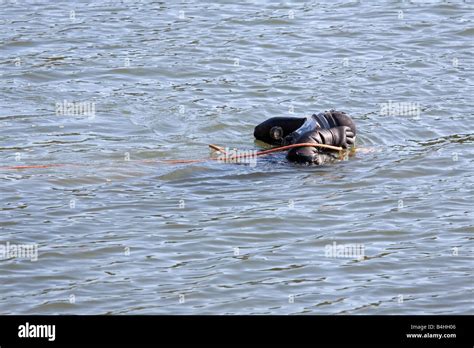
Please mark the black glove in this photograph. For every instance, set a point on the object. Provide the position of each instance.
(337, 136)
(342, 136)
(338, 119)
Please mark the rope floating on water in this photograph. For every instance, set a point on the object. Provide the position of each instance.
(286, 147)
(40, 166)
(184, 161)
(258, 153)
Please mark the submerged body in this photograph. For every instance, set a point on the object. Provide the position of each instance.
(330, 128)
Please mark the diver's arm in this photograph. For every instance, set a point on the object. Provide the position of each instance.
(338, 136)
(287, 130)
(273, 130)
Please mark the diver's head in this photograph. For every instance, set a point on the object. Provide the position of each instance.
(342, 119)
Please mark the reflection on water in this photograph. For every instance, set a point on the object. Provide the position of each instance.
(116, 234)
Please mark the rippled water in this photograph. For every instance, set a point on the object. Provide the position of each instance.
(166, 79)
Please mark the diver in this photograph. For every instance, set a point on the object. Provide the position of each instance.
(329, 128)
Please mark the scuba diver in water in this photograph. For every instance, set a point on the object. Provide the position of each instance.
(329, 128)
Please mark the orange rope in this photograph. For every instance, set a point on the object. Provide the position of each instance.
(286, 147)
(212, 146)
(35, 166)
(281, 148)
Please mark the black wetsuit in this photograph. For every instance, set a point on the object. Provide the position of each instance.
(330, 128)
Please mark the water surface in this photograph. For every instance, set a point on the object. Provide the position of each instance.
(167, 79)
